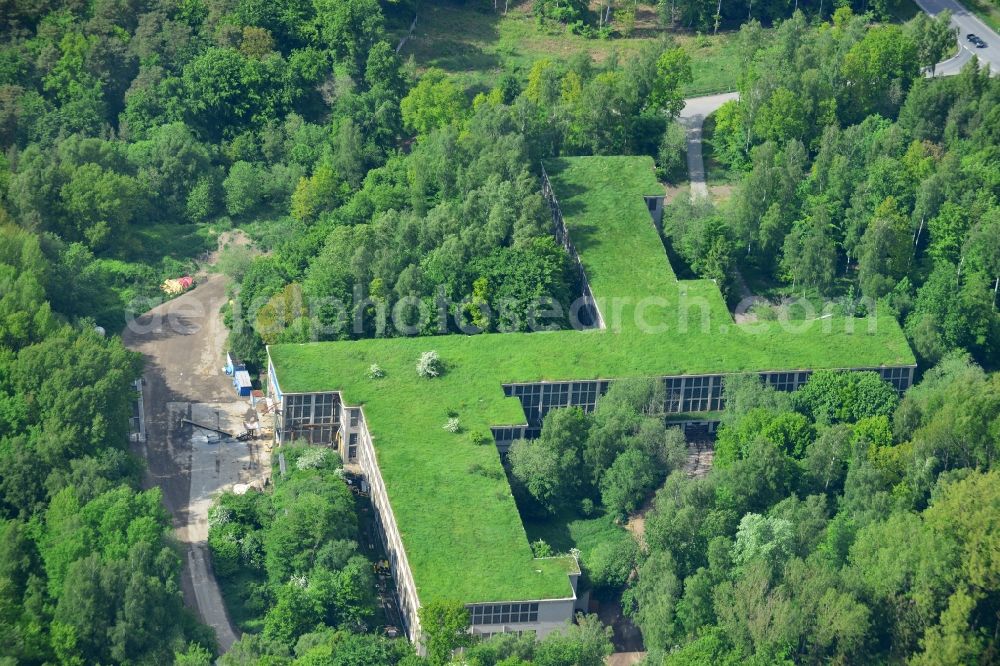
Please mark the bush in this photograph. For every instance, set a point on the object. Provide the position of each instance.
(452, 425)
(541, 549)
(234, 260)
(303, 456)
(225, 547)
(671, 157)
(480, 438)
(313, 458)
(375, 371)
(611, 562)
(571, 12)
(430, 365)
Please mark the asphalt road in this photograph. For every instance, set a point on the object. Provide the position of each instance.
(966, 22)
(951, 66)
(696, 109)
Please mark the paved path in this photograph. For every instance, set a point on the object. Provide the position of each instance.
(966, 22)
(951, 66)
(181, 342)
(696, 109)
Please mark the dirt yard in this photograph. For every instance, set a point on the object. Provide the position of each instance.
(182, 342)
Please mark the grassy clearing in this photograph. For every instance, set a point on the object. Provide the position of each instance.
(714, 64)
(461, 528)
(180, 242)
(476, 45)
(567, 531)
(152, 254)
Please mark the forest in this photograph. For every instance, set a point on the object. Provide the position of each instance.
(884, 189)
(839, 525)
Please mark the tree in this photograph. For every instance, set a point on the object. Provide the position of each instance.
(101, 204)
(826, 460)
(243, 187)
(767, 539)
(503, 648)
(610, 563)
(831, 397)
(194, 655)
(226, 90)
(673, 72)
(619, 416)
(171, 162)
(746, 392)
(810, 253)
(782, 117)
(905, 572)
(791, 433)
(947, 230)
(672, 153)
(951, 312)
(551, 466)
(628, 481)
(655, 598)
(444, 628)
(934, 37)
(434, 102)
(886, 250)
(964, 513)
(25, 315)
(885, 59)
(313, 518)
(341, 648)
(256, 42)
(350, 29)
(519, 283)
(295, 613)
(982, 248)
(587, 643)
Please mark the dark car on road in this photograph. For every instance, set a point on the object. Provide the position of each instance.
(976, 40)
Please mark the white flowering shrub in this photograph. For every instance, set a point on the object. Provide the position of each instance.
(219, 515)
(313, 458)
(452, 425)
(429, 364)
(375, 371)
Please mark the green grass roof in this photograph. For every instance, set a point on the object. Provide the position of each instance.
(459, 523)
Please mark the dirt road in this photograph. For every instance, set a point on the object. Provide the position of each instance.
(182, 342)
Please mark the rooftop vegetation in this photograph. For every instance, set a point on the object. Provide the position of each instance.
(463, 535)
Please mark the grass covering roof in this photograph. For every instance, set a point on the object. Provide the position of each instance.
(459, 524)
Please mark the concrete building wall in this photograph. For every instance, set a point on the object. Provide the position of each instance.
(308, 417)
(684, 393)
(540, 617)
(352, 433)
(654, 204)
(589, 315)
(406, 589)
